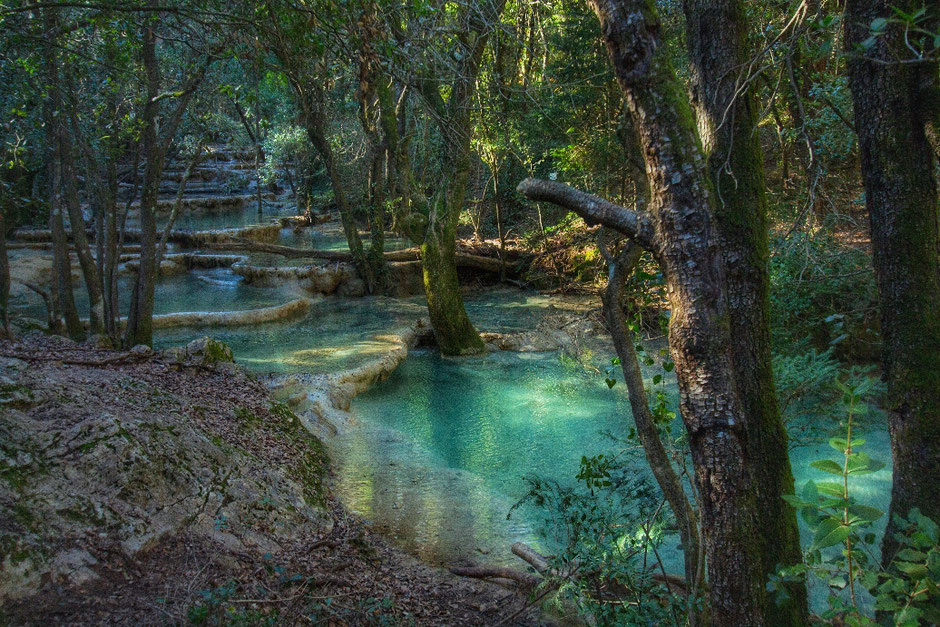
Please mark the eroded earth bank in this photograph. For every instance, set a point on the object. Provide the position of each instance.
(169, 487)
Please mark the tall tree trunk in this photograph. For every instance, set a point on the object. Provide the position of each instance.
(62, 296)
(312, 105)
(80, 238)
(452, 327)
(155, 146)
(370, 75)
(140, 316)
(895, 104)
(500, 231)
(680, 230)
(4, 272)
(727, 121)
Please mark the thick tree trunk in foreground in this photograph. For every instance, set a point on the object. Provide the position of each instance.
(681, 232)
(452, 328)
(895, 106)
(727, 119)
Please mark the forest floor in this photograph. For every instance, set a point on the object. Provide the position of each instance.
(155, 488)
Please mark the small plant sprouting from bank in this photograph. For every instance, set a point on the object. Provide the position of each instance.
(908, 589)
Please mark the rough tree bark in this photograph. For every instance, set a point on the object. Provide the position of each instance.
(681, 231)
(896, 105)
(370, 74)
(140, 316)
(716, 34)
(62, 296)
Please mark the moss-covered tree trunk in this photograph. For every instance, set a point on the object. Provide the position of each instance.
(727, 119)
(454, 332)
(452, 328)
(681, 230)
(370, 75)
(896, 104)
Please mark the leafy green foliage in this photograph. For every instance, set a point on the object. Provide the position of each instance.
(607, 529)
(908, 588)
(823, 290)
(808, 393)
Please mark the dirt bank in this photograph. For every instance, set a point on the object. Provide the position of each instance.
(167, 488)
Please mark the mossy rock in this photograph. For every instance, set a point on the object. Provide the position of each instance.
(211, 351)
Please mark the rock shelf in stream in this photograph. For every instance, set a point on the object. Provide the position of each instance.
(293, 309)
(322, 401)
(189, 239)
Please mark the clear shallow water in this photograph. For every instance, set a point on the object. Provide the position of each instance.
(340, 333)
(336, 334)
(443, 446)
(218, 289)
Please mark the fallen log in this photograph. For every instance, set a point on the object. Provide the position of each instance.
(674, 583)
(497, 572)
(535, 559)
(464, 260)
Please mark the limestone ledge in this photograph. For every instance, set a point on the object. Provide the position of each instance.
(321, 401)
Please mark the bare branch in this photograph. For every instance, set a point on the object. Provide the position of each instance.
(594, 209)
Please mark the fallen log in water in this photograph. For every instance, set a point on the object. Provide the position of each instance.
(187, 239)
(464, 260)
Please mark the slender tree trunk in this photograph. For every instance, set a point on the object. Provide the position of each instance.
(895, 105)
(312, 106)
(63, 298)
(727, 120)
(370, 118)
(4, 273)
(619, 269)
(140, 316)
(155, 147)
(499, 226)
(80, 238)
(62, 263)
(177, 206)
